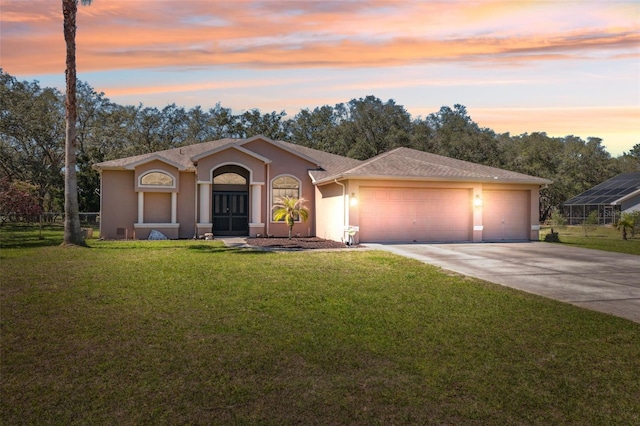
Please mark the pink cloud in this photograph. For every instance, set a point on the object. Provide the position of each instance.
(122, 35)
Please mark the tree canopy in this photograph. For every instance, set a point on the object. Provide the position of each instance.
(32, 139)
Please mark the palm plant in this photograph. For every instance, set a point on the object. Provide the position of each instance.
(625, 223)
(72, 230)
(290, 209)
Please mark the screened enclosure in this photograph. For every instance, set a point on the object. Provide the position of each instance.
(609, 199)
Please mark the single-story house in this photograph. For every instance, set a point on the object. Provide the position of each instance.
(229, 187)
(617, 195)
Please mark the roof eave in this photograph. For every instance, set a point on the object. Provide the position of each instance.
(132, 166)
(341, 177)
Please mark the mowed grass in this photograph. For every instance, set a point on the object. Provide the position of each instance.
(191, 332)
(600, 238)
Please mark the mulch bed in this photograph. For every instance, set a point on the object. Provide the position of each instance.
(295, 243)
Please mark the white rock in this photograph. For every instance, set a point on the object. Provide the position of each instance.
(156, 235)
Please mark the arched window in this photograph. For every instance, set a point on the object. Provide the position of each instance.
(157, 179)
(229, 179)
(284, 186)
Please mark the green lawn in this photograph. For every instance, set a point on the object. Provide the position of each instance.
(190, 332)
(600, 238)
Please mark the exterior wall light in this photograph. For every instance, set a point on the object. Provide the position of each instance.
(353, 200)
(477, 202)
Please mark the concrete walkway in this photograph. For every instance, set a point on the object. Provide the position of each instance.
(593, 279)
(235, 242)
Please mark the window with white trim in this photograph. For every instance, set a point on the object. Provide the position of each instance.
(157, 179)
(284, 186)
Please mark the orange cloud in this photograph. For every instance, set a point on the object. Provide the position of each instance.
(122, 35)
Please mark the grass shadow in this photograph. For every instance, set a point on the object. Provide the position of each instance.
(16, 236)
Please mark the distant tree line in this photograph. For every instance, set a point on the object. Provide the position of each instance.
(32, 139)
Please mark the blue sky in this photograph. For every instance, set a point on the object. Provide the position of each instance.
(563, 67)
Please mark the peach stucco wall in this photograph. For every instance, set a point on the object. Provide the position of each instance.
(187, 205)
(118, 204)
(157, 207)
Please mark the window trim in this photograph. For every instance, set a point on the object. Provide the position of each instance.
(246, 179)
(164, 172)
(271, 190)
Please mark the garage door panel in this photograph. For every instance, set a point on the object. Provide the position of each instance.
(401, 215)
(506, 215)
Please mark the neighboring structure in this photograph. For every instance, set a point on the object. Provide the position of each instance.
(229, 187)
(610, 198)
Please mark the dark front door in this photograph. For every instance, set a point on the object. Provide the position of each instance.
(230, 213)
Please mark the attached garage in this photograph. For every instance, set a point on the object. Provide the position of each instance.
(415, 214)
(507, 215)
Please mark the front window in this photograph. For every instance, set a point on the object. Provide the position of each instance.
(284, 186)
(229, 179)
(157, 179)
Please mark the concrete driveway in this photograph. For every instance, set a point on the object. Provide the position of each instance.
(602, 281)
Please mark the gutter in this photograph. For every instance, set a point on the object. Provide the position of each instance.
(195, 207)
(267, 202)
(333, 179)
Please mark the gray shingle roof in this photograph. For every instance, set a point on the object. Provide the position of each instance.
(179, 156)
(329, 163)
(401, 163)
(406, 163)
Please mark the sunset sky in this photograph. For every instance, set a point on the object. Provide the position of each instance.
(563, 67)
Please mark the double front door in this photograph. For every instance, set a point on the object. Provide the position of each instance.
(230, 213)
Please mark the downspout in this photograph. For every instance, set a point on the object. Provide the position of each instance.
(101, 192)
(344, 207)
(195, 208)
(268, 202)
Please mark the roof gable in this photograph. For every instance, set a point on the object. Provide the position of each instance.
(154, 157)
(279, 145)
(226, 147)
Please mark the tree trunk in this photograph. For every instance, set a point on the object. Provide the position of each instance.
(72, 230)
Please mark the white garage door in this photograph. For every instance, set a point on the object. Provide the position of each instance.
(506, 215)
(409, 214)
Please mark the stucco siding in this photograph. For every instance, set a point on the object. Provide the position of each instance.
(186, 205)
(330, 213)
(118, 207)
(157, 207)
